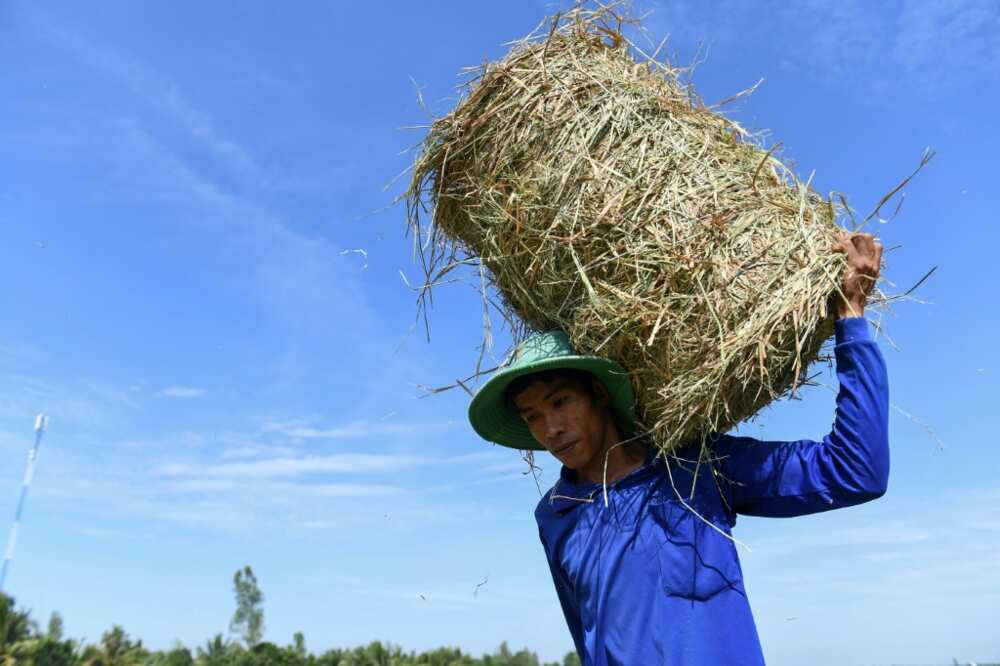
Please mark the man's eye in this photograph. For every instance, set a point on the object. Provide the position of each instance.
(558, 402)
(530, 418)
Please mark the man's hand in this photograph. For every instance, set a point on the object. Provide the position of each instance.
(864, 261)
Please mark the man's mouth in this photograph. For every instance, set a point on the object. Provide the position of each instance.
(564, 448)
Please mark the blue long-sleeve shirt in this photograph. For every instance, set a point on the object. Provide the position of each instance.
(644, 580)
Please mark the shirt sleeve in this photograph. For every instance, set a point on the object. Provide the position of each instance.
(566, 599)
(848, 466)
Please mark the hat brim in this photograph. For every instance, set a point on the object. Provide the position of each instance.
(494, 421)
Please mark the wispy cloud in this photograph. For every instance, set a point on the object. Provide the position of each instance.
(20, 355)
(290, 466)
(350, 463)
(887, 533)
(510, 466)
(446, 488)
(921, 45)
(359, 429)
(218, 504)
(281, 489)
(903, 548)
(314, 296)
(256, 451)
(181, 392)
(944, 39)
(985, 525)
(159, 92)
(294, 271)
(236, 504)
(308, 289)
(77, 402)
(884, 557)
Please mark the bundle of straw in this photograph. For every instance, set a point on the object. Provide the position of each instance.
(607, 200)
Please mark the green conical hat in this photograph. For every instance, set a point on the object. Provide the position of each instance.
(496, 422)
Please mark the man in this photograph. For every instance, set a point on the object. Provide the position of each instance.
(640, 548)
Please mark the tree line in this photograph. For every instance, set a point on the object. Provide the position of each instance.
(24, 643)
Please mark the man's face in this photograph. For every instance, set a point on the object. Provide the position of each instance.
(569, 421)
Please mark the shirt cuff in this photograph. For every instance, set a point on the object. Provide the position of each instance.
(851, 329)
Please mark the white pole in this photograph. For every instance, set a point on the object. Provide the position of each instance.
(41, 423)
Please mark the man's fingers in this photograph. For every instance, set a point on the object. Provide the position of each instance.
(843, 243)
(864, 251)
(865, 244)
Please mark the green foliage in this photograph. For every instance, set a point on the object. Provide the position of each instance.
(15, 625)
(115, 649)
(47, 651)
(55, 630)
(178, 656)
(16, 630)
(299, 643)
(248, 619)
(216, 652)
(24, 645)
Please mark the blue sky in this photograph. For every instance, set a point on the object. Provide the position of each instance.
(185, 194)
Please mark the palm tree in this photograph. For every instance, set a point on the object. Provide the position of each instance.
(216, 652)
(116, 649)
(15, 628)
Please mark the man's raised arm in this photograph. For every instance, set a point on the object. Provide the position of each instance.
(851, 464)
(848, 466)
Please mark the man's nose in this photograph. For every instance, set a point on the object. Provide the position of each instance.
(554, 429)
